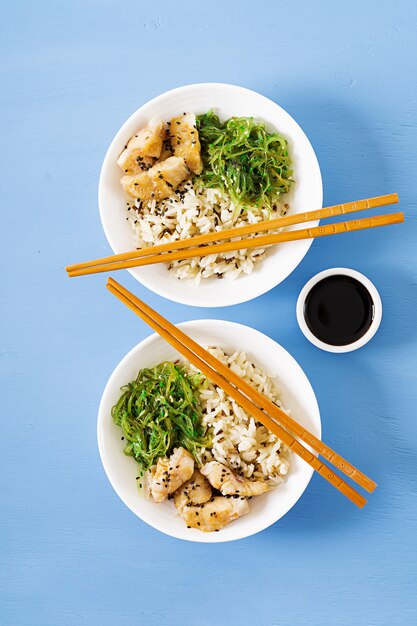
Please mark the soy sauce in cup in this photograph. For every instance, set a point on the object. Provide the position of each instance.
(339, 310)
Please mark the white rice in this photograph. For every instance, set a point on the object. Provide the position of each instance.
(239, 441)
(193, 211)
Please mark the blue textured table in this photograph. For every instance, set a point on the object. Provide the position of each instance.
(71, 73)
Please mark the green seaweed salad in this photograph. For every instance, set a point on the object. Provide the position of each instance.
(243, 159)
(160, 411)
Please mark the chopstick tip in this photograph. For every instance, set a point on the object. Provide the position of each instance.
(112, 284)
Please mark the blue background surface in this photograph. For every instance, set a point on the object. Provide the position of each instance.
(71, 73)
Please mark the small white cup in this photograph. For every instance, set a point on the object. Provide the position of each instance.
(377, 312)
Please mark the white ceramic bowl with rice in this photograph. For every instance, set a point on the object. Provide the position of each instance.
(295, 393)
(252, 278)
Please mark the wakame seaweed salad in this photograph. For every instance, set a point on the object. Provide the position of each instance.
(160, 411)
(243, 159)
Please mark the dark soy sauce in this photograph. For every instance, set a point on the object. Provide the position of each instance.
(339, 310)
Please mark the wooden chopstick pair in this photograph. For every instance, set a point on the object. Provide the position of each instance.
(198, 246)
(251, 400)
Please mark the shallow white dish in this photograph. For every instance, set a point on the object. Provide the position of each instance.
(377, 310)
(297, 395)
(228, 100)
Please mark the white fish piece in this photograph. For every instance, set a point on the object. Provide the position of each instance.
(228, 483)
(142, 149)
(197, 490)
(214, 514)
(133, 163)
(158, 182)
(166, 150)
(185, 141)
(170, 474)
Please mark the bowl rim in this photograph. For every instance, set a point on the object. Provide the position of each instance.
(107, 466)
(178, 296)
(376, 321)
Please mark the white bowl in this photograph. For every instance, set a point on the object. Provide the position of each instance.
(377, 313)
(297, 394)
(228, 100)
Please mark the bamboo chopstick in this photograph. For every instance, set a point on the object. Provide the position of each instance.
(245, 244)
(238, 231)
(185, 347)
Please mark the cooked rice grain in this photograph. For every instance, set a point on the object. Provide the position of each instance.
(193, 211)
(239, 441)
